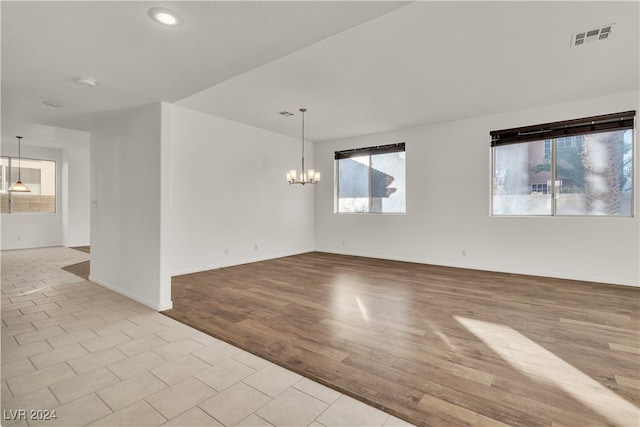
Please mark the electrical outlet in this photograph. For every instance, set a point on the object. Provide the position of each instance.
(255, 247)
(464, 252)
(226, 251)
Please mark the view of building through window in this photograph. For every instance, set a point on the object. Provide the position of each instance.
(592, 174)
(38, 175)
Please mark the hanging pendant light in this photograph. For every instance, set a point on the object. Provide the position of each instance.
(305, 177)
(18, 186)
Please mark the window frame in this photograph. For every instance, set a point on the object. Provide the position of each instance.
(8, 183)
(369, 152)
(11, 159)
(560, 130)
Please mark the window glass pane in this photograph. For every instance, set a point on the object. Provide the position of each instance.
(4, 184)
(40, 177)
(353, 184)
(594, 174)
(388, 183)
(547, 148)
(521, 179)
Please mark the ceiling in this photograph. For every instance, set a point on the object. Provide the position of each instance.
(359, 67)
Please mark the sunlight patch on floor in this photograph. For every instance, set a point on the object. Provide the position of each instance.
(363, 309)
(539, 364)
(433, 328)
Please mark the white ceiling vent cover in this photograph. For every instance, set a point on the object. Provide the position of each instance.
(592, 35)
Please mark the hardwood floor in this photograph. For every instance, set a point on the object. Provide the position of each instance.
(80, 269)
(432, 345)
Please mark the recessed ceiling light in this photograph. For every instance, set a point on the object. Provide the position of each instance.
(86, 81)
(165, 16)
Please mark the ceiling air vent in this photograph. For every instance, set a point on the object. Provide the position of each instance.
(285, 113)
(592, 35)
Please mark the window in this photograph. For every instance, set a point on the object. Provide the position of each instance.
(371, 180)
(563, 142)
(589, 161)
(540, 188)
(38, 175)
(4, 184)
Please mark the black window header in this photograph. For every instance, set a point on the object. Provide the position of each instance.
(379, 149)
(603, 123)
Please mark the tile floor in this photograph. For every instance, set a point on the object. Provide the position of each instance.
(99, 358)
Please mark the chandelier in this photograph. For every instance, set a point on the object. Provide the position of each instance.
(18, 186)
(305, 177)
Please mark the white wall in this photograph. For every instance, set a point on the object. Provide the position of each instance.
(448, 206)
(76, 213)
(127, 159)
(230, 194)
(33, 230)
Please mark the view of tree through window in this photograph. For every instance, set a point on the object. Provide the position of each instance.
(592, 174)
(371, 180)
(38, 175)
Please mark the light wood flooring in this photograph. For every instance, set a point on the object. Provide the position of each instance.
(432, 345)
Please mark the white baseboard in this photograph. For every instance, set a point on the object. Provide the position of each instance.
(605, 280)
(198, 269)
(151, 304)
(43, 246)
